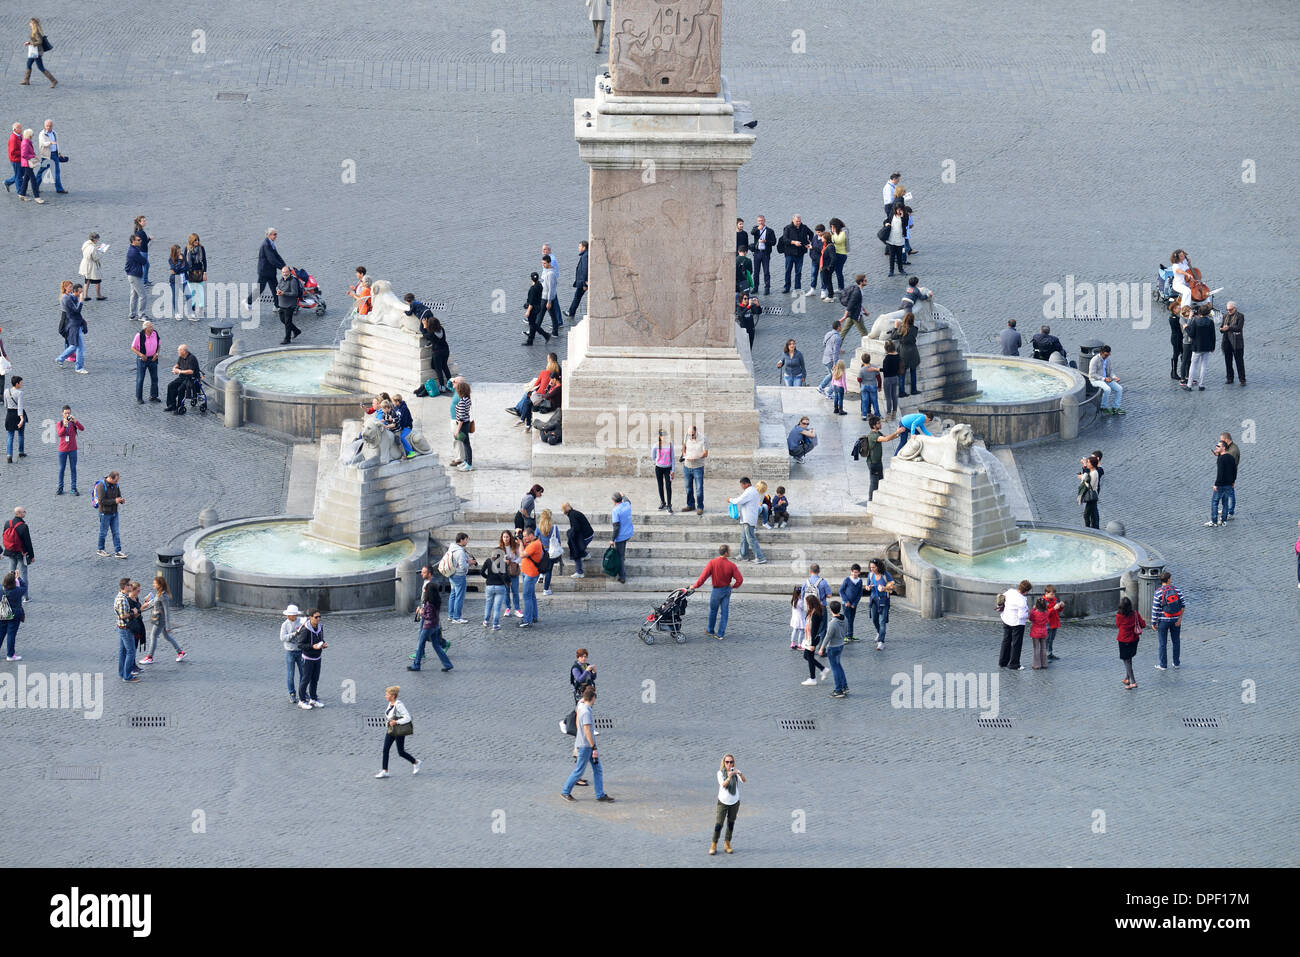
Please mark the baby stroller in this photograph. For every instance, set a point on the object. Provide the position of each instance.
(311, 297)
(667, 617)
(197, 396)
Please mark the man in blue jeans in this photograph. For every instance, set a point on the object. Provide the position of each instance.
(125, 640)
(621, 517)
(694, 452)
(108, 497)
(461, 560)
(1167, 614)
(15, 156)
(430, 629)
(910, 425)
(586, 751)
(724, 576)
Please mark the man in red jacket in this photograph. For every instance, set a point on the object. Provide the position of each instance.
(723, 571)
(15, 156)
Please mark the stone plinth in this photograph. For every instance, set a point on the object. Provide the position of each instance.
(942, 376)
(374, 358)
(660, 48)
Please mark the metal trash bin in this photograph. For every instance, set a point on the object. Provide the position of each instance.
(171, 568)
(1148, 582)
(1086, 351)
(220, 337)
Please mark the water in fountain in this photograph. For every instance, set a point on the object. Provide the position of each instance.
(294, 372)
(1044, 556)
(1002, 380)
(282, 548)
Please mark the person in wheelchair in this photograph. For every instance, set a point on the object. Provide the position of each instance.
(186, 383)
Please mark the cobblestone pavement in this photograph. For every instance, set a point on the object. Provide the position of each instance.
(1067, 162)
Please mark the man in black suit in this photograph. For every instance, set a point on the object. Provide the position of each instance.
(797, 239)
(269, 265)
(579, 279)
(762, 246)
(533, 310)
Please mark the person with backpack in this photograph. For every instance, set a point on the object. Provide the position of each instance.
(851, 300)
(1167, 607)
(13, 592)
(17, 541)
(870, 447)
(310, 639)
(818, 586)
(430, 628)
(1089, 490)
(1128, 629)
(458, 562)
(107, 498)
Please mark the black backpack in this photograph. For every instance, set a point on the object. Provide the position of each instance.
(551, 435)
(844, 296)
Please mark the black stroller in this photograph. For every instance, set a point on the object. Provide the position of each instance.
(667, 617)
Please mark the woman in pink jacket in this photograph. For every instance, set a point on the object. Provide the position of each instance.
(27, 153)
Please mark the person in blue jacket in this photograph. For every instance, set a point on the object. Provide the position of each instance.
(910, 425)
(15, 590)
(850, 595)
(621, 517)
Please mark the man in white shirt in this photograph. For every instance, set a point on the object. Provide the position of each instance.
(586, 750)
(1015, 612)
(748, 502)
(48, 147)
(887, 194)
(1102, 375)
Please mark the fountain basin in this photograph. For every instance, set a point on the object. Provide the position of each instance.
(1020, 400)
(264, 564)
(1085, 565)
(283, 390)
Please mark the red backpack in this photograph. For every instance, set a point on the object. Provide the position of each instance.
(10, 540)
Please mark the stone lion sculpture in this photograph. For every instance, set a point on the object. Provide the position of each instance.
(951, 451)
(387, 310)
(377, 446)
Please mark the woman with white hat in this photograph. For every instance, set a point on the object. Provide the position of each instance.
(292, 657)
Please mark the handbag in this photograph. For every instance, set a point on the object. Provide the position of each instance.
(470, 427)
(402, 730)
(883, 233)
(46, 45)
(733, 512)
(512, 569)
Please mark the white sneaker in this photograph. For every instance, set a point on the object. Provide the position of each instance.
(305, 705)
(383, 774)
(317, 704)
(416, 769)
(808, 681)
(102, 554)
(595, 731)
(546, 592)
(1211, 525)
(1160, 667)
(823, 673)
(577, 575)
(880, 646)
(20, 658)
(79, 371)
(465, 467)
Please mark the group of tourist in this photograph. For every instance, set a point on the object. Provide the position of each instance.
(33, 157)
(542, 299)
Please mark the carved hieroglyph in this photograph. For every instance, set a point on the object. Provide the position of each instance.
(668, 47)
(657, 276)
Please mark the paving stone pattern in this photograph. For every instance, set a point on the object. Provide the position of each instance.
(1067, 162)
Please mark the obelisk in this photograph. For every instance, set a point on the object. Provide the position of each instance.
(658, 346)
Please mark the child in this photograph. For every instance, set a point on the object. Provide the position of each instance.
(838, 384)
(1038, 632)
(764, 504)
(1054, 609)
(797, 620)
(890, 369)
(869, 387)
(781, 508)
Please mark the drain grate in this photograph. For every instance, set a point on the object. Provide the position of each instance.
(993, 722)
(604, 724)
(229, 96)
(797, 724)
(73, 772)
(372, 722)
(1200, 722)
(148, 721)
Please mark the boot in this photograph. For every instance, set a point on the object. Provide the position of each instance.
(727, 846)
(713, 847)
(27, 79)
(50, 76)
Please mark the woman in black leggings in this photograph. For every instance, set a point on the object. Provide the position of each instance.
(811, 630)
(396, 715)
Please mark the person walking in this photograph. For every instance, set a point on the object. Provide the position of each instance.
(13, 590)
(430, 627)
(814, 622)
(464, 423)
(1232, 325)
(729, 782)
(851, 591)
(287, 292)
(1089, 491)
(15, 418)
(1102, 375)
(621, 518)
(1167, 607)
(724, 576)
(269, 265)
(292, 656)
(854, 314)
(694, 451)
(1013, 608)
(48, 148)
(37, 47)
(831, 343)
(529, 564)
(136, 267)
(550, 292)
(662, 455)
(90, 268)
(311, 644)
(880, 589)
(66, 429)
(580, 271)
(895, 228)
(125, 638)
(534, 305)
(27, 166)
(796, 240)
(764, 241)
(578, 537)
(196, 274)
(145, 346)
(15, 156)
(398, 727)
(1128, 629)
(74, 327)
(16, 541)
(791, 365)
(1225, 477)
(156, 603)
(108, 499)
(748, 502)
(832, 647)
(587, 752)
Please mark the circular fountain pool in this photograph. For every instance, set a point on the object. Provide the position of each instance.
(1006, 380)
(284, 390)
(1044, 557)
(267, 563)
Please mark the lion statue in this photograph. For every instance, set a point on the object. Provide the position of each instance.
(950, 451)
(374, 447)
(387, 310)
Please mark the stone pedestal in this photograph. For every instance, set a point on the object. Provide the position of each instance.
(374, 358)
(942, 376)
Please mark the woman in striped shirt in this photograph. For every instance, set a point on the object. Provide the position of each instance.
(464, 424)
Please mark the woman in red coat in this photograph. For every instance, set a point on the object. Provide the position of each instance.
(1129, 625)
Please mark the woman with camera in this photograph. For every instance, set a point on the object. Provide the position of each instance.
(398, 726)
(1089, 489)
(729, 782)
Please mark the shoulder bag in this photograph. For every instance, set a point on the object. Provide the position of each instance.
(402, 730)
